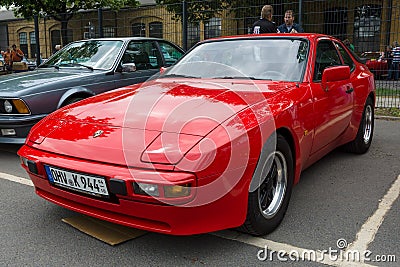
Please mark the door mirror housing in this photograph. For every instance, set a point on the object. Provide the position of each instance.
(128, 67)
(337, 73)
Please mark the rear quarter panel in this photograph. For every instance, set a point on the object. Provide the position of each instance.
(364, 86)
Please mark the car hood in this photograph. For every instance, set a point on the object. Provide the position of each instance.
(26, 82)
(142, 120)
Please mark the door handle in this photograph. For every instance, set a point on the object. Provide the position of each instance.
(349, 90)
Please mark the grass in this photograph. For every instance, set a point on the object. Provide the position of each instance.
(393, 112)
(387, 92)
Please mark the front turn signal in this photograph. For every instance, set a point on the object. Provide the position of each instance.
(173, 191)
(20, 106)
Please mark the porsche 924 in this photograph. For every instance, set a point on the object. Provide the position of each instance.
(216, 141)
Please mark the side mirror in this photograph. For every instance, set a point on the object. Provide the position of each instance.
(128, 67)
(334, 74)
(337, 73)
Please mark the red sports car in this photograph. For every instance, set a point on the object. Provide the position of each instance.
(216, 141)
(377, 64)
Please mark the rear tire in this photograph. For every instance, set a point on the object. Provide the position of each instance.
(274, 175)
(365, 132)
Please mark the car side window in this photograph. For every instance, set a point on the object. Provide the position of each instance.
(141, 53)
(346, 57)
(171, 54)
(326, 56)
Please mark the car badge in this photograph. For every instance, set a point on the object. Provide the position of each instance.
(97, 133)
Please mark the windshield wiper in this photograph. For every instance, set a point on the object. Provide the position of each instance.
(82, 65)
(177, 76)
(235, 77)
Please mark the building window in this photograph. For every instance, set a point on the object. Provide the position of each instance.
(32, 41)
(55, 39)
(138, 29)
(193, 34)
(23, 42)
(90, 31)
(367, 25)
(156, 29)
(212, 28)
(108, 31)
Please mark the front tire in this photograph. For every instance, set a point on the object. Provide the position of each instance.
(274, 175)
(365, 132)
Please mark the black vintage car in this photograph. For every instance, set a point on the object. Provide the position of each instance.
(79, 70)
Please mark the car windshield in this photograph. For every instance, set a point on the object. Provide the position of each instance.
(281, 59)
(92, 54)
(371, 55)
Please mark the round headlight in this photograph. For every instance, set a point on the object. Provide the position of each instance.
(7, 106)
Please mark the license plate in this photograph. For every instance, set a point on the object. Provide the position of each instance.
(85, 183)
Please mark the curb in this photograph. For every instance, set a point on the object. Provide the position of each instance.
(388, 118)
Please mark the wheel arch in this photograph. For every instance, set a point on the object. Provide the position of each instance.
(373, 98)
(74, 92)
(252, 223)
(356, 120)
(294, 147)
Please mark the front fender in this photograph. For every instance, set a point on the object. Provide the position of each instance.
(74, 91)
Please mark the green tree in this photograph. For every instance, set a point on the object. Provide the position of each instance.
(197, 10)
(206, 9)
(61, 10)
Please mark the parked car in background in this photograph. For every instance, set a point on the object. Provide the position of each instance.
(376, 63)
(20, 66)
(216, 141)
(31, 64)
(25, 65)
(79, 70)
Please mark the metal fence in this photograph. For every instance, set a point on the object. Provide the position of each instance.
(371, 26)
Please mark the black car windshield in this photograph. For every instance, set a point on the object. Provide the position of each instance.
(92, 54)
(278, 59)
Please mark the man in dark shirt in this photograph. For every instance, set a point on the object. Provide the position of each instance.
(265, 23)
(289, 26)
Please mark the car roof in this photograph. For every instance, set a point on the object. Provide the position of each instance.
(310, 36)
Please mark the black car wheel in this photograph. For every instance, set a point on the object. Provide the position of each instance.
(268, 203)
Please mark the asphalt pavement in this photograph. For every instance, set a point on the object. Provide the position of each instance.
(345, 203)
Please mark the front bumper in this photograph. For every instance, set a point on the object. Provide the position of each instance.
(226, 212)
(20, 124)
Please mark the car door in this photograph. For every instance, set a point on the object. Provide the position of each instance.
(147, 59)
(333, 104)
